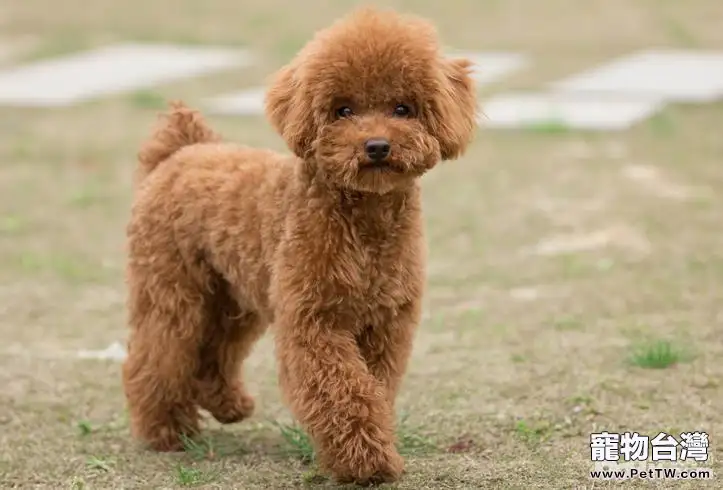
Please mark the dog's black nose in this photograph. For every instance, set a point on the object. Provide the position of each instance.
(377, 149)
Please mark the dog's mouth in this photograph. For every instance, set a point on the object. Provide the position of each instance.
(381, 166)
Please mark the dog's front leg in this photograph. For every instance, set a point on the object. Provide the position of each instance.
(337, 400)
(387, 348)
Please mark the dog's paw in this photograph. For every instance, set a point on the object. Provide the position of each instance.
(233, 409)
(375, 469)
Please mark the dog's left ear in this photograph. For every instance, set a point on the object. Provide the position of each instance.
(289, 111)
(454, 112)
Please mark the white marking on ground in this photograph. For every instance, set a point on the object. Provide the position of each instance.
(110, 70)
(114, 352)
(490, 67)
(249, 102)
(525, 294)
(651, 179)
(614, 236)
(557, 111)
(673, 75)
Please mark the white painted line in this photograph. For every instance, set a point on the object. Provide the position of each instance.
(108, 70)
(248, 102)
(674, 75)
(491, 67)
(114, 352)
(529, 110)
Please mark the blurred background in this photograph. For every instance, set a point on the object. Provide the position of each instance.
(575, 254)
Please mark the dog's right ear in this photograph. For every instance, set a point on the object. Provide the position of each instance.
(289, 111)
(455, 109)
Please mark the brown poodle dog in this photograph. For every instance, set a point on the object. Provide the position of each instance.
(327, 245)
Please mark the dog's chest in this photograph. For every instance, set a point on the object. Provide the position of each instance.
(379, 268)
(351, 267)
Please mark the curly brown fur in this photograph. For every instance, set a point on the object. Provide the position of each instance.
(226, 240)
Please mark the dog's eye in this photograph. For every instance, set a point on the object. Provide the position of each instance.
(402, 110)
(344, 112)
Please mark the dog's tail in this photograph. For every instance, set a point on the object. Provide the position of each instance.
(179, 127)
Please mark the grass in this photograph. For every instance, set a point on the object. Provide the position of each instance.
(95, 463)
(657, 354)
(190, 477)
(77, 484)
(212, 446)
(681, 34)
(411, 440)
(502, 389)
(297, 444)
(148, 99)
(313, 477)
(85, 197)
(549, 127)
(569, 322)
(60, 44)
(69, 268)
(662, 124)
(532, 432)
(199, 449)
(84, 428)
(10, 225)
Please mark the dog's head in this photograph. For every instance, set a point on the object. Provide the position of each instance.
(372, 103)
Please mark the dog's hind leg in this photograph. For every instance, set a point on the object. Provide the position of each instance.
(228, 339)
(166, 313)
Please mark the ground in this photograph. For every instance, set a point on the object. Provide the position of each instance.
(574, 281)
